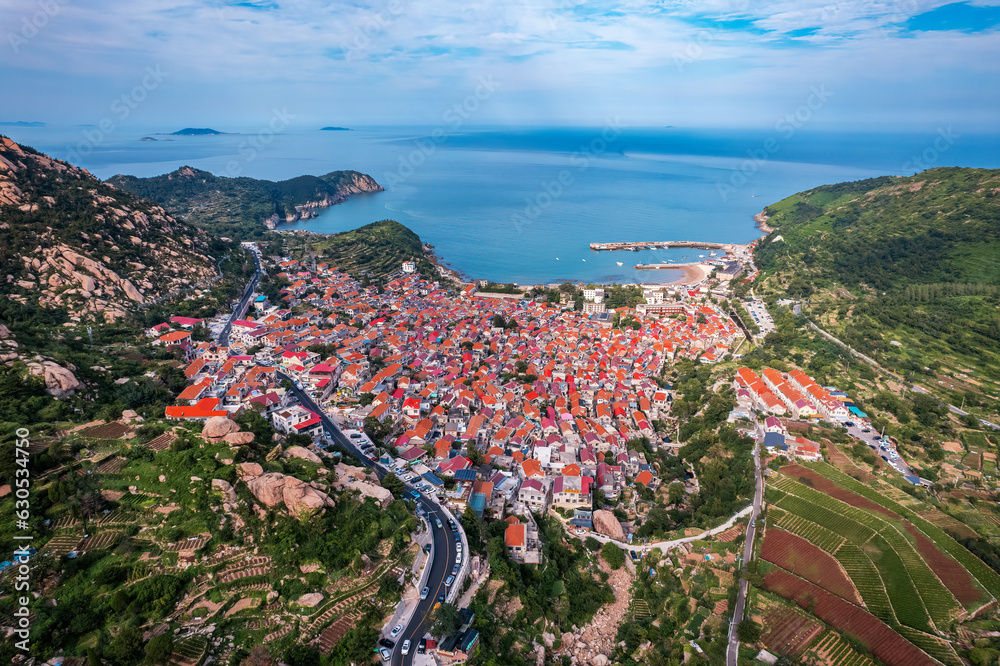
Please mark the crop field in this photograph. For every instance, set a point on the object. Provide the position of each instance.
(805, 560)
(833, 650)
(106, 431)
(982, 574)
(918, 598)
(868, 582)
(789, 632)
(812, 479)
(935, 646)
(162, 442)
(882, 641)
(822, 537)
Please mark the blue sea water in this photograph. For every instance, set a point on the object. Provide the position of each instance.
(524, 204)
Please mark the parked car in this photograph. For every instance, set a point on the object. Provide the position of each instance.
(424, 592)
(385, 642)
(455, 569)
(385, 654)
(449, 580)
(395, 630)
(422, 646)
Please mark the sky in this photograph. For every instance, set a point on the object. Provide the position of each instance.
(909, 65)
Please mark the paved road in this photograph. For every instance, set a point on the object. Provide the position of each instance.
(244, 304)
(881, 448)
(444, 553)
(734, 639)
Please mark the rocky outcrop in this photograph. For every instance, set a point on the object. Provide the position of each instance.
(228, 494)
(354, 478)
(605, 523)
(303, 453)
(249, 470)
(239, 438)
(217, 427)
(310, 600)
(58, 380)
(301, 499)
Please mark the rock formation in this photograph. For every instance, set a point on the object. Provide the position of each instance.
(58, 380)
(605, 523)
(301, 499)
(216, 429)
(303, 453)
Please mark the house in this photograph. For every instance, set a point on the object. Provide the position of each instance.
(203, 410)
(535, 494)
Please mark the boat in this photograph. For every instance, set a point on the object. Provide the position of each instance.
(701, 256)
(619, 263)
(557, 258)
(711, 254)
(585, 260)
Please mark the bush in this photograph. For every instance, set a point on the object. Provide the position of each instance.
(613, 555)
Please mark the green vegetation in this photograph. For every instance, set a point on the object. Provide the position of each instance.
(239, 206)
(911, 260)
(368, 253)
(613, 555)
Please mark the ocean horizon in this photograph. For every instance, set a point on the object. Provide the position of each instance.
(523, 204)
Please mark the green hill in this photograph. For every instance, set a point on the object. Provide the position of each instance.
(902, 268)
(374, 250)
(242, 206)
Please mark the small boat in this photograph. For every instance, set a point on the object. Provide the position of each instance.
(701, 256)
(585, 260)
(557, 258)
(619, 263)
(711, 254)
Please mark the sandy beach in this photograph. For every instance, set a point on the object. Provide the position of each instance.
(693, 274)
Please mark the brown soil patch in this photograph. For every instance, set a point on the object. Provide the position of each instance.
(952, 574)
(792, 552)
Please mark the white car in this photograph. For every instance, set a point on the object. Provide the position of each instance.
(395, 630)
(406, 647)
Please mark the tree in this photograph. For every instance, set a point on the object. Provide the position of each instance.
(127, 645)
(392, 483)
(675, 493)
(159, 648)
(749, 631)
(447, 622)
(259, 656)
(613, 555)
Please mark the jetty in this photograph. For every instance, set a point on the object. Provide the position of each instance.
(653, 267)
(660, 245)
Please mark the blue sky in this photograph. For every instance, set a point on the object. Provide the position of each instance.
(903, 65)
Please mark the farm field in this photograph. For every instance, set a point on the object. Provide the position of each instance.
(803, 559)
(882, 641)
(789, 632)
(832, 650)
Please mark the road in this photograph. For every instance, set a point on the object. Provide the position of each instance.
(734, 638)
(444, 541)
(244, 303)
(880, 448)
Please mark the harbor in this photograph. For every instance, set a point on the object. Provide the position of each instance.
(660, 245)
(653, 267)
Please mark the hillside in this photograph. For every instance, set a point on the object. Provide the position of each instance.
(868, 560)
(240, 206)
(374, 250)
(75, 244)
(902, 269)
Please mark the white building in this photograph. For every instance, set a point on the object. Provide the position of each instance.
(409, 267)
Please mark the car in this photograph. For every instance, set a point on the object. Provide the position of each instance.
(458, 557)
(427, 548)
(449, 580)
(438, 522)
(414, 494)
(385, 642)
(455, 569)
(441, 598)
(385, 654)
(458, 546)
(395, 630)
(633, 555)
(866, 430)
(424, 592)
(406, 647)
(422, 646)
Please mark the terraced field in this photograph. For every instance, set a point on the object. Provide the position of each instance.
(820, 536)
(803, 559)
(832, 650)
(789, 632)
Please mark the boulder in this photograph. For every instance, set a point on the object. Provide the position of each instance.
(217, 427)
(567, 639)
(227, 490)
(310, 600)
(605, 523)
(238, 438)
(130, 415)
(249, 470)
(304, 453)
(268, 488)
(58, 380)
(163, 478)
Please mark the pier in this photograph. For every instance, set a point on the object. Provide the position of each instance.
(653, 267)
(660, 245)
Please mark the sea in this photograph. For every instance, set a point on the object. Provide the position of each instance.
(524, 204)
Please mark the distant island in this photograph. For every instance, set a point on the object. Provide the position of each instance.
(197, 131)
(335, 129)
(22, 123)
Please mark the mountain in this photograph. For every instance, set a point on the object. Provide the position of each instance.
(335, 129)
(196, 131)
(23, 123)
(241, 205)
(70, 242)
(904, 269)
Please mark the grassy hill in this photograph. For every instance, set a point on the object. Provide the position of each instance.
(902, 269)
(245, 206)
(374, 250)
